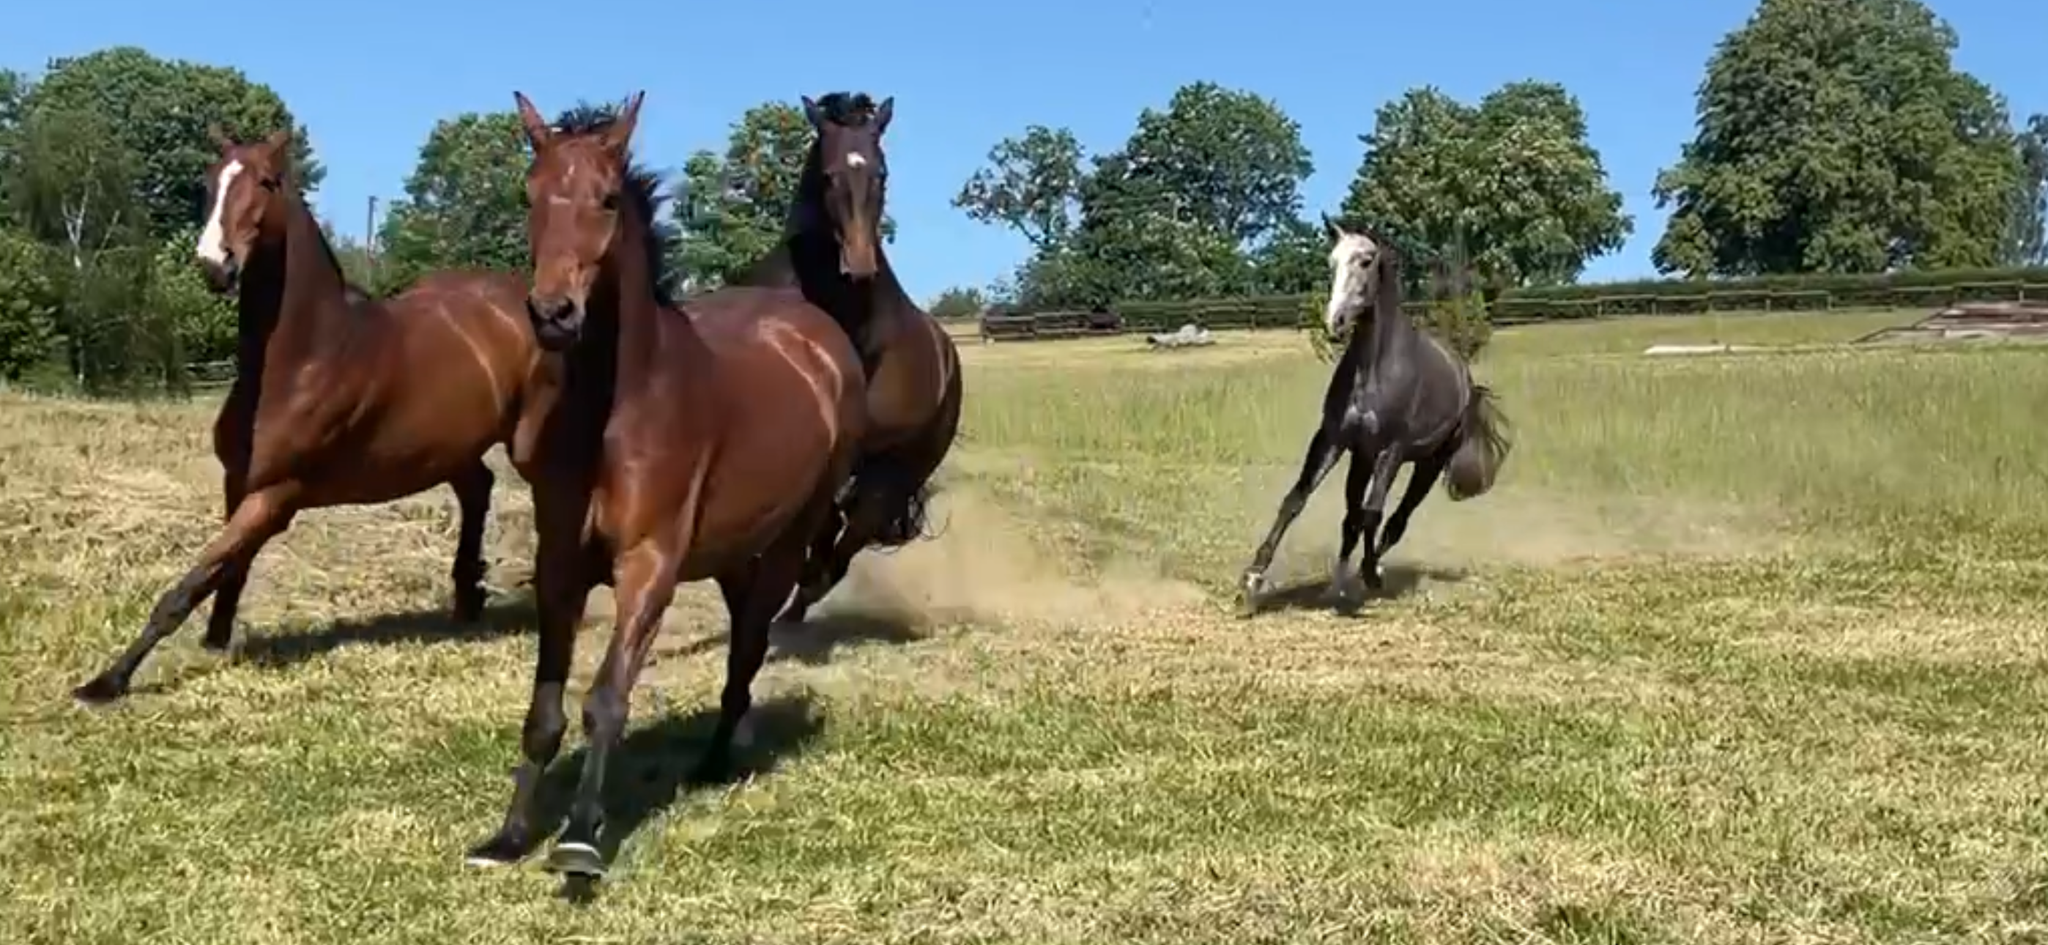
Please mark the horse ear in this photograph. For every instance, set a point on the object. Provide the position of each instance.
(1331, 229)
(219, 138)
(537, 131)
(812, 114)
(279, 140)
(620, 132)
(883, 113)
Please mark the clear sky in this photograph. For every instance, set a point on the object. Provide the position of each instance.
(370, 77)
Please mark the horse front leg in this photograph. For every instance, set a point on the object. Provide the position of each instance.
(259, 517)
(1315, 465)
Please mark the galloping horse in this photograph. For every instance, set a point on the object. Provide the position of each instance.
(833, 252)
(1396, 395)
(338, 399)
(680, 443)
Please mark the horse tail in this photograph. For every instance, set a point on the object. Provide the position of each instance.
(1483, 446)
(908, 524)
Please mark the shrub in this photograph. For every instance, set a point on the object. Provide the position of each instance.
(29, 306)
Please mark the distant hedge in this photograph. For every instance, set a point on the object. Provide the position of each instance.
(1916, 289)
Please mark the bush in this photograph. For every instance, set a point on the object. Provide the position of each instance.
(1460, 321)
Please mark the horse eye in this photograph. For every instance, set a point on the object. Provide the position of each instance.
(611, 202)
(269, 183)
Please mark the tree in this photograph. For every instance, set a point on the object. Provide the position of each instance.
(733, 208)
(204, 323)
(1513, 178)
(1032, 184)
(1233, 162)
(957, 303)
(29, 304)
(465, 203)
(2026, 243)
(1293, 260)
(1837, 136)
(73, 184)
(158, 110)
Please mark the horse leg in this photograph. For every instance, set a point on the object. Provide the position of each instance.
(1420, 479)
(1321, 456)
(823, 568)
(1357, 480)
(473, 496)
(227, 600)
(878, 494)
(258, 518)
(562, 579)
(1383, 469)
(645, 579)
(752, 593)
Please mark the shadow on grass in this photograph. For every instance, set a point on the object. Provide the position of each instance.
(657, 761)
(1398, 580)
(502, 617)
(821, 637)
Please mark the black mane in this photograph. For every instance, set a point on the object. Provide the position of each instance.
(643, 187)
(848, 109)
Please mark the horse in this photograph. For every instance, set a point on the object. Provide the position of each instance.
(832, 251)
(338, 398)
(683, 441)
(1396, 395)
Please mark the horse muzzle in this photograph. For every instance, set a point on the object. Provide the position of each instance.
(557, 322)
(222, 277)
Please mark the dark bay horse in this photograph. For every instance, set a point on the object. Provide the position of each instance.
(681, 442)
(833, 252)
(338, 399)
(1397, 395)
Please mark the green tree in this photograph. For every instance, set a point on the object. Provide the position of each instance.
(732, 208)
(464, 204)
(2026, 243)
(159, 110)
(203, 322)
(1293, 260)
(956, 303)
(1232, 162)
(1031, 184)
(1513, 177)
(29, 305)
(1837, 136)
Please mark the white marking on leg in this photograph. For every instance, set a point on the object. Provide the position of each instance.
(213, 239)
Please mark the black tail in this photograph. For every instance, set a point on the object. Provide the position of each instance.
(908, 524)
(1483, 446)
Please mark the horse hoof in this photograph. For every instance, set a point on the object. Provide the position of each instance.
(1249, 592)
(500, 850)
(1375, 579)
(100, 691)
(576, 859)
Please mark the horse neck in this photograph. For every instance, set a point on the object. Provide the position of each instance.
(642, 328)
(292, 302)
(1386, 335)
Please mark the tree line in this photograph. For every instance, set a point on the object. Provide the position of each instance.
(1834, 136)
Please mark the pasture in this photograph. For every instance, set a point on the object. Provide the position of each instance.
(1742, 648)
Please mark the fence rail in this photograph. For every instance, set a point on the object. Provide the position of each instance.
(1293, 311)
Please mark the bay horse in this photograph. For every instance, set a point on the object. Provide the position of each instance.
(1396, 395)
(338, 398)
(682, 441)
(833, 252)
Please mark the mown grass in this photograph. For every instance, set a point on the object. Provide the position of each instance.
(1742, 649)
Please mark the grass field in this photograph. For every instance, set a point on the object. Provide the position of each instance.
(1741, 649)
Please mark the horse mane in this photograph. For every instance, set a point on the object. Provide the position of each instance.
(643, 188)
(848, 109)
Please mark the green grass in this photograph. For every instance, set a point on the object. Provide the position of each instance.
(1742, 648)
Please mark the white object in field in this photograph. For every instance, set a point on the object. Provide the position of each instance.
(1700, 349)
(1190, 335)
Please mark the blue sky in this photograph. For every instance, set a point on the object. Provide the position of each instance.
(370, 77)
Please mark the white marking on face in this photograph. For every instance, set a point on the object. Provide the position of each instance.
(213, 239)
(856, 162)
(1351, 268)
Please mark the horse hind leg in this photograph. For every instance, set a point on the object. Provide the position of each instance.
(1315, 465)
(473, 497)
(887, 509)
(752, 593)
(1420, 479)
(1383, 469)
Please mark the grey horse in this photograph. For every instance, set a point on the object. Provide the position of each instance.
(1397, 395)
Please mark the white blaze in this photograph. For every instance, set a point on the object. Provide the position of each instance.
(213, 239)
(856, 162)
(1349, 260)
